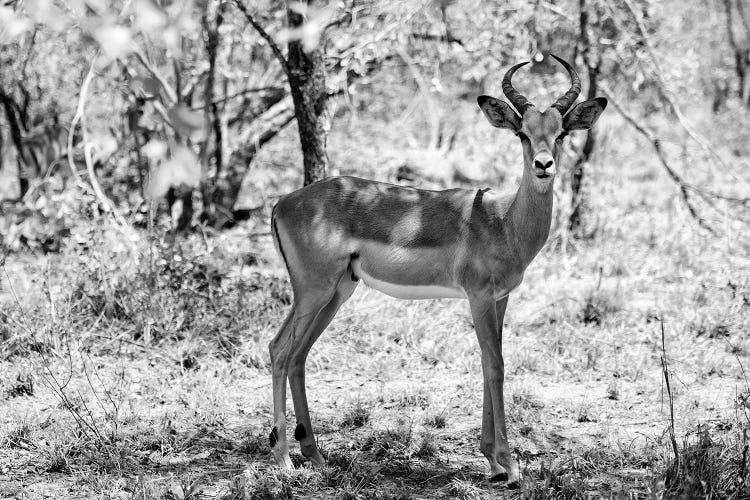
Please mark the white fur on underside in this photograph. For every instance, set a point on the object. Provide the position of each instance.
(408, 292)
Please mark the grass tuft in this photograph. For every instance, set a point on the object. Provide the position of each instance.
(438, 421)
(23, 386)
(389, 443)
(20, 436)
(613, 390)
(584, 415)
(427, 447)
(598, 305)
(273, 483)
(709, 467)
(356, 416)
(464, 490)
(254, 444)
(58, 458)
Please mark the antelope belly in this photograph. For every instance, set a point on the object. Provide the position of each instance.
(408, 292)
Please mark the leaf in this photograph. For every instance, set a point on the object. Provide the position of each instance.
(145, 86)
(155, 149)
(185, 120)
(149, 16)
(171, 38)
(311, 30)
(104, 144)
(183, 169)
(47, 13)
(114, 40)
(11, 25)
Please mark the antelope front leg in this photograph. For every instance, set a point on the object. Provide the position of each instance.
(487, 442)
(488, 326)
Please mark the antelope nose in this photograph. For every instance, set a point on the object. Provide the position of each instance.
(543, 163)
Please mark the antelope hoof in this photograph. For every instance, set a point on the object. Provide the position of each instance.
(282, 460)
(313, 455)
(499, 477)
(280, 452)
(514, 481)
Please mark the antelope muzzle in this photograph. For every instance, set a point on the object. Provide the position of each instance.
(544, 165)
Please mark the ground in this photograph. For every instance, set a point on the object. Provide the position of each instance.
(138, 368)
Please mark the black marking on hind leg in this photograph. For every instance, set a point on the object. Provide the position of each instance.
(300, 432)
(274, 437)
(354, 277)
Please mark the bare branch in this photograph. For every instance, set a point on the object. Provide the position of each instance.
(448, 38)
(271, 43)
(241, 93)
(273, 121)
(344, 18)
(661, 85)
(80, 117)
(740, 53)
(683, 186)
(743, 16)
(29, 54)
(171, 94)
(432, 114)
(558, 10)
(730, 31)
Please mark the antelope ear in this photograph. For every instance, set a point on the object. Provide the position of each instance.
(584, 114)
(499, 113)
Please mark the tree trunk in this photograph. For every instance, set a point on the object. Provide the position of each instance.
(2, 150)
(306, 72)
(237, 167)
(579, 195)
(266, 119)
(212, 20)
(741, 54)
(578, 198)
(12, 115)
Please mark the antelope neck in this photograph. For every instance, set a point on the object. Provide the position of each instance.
(530, 215)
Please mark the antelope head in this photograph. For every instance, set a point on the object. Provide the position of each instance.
(541, 132)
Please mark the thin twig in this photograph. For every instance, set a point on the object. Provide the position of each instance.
(271, 43)
(26, 60)
(346, 18)
(665, 372)
(171, 94)
(49, 377)
(743, 16)
(432, 114)
(241, 93)
(80, 117)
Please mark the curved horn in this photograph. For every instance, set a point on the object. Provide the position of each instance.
(515, 97)
(563, 103)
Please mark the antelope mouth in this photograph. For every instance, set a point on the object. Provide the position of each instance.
(542, 175)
